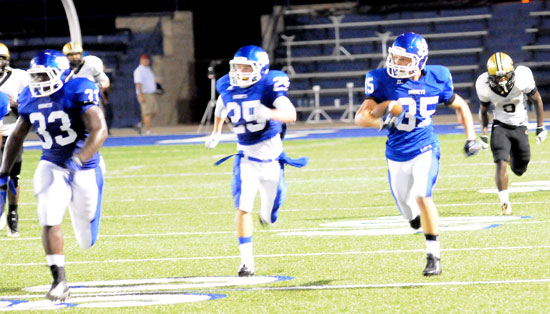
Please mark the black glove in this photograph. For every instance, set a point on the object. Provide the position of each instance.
(484, 142)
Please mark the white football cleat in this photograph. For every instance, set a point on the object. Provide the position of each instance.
(506, 209)
(58, 292)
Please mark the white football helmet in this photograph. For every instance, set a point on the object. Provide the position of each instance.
(253, 56)
(411, 46)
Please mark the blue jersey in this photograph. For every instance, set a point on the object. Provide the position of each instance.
(4, 104)
(57, 119)
(415, 134)
(241, 103)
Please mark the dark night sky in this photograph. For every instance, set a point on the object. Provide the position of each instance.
(221, 27)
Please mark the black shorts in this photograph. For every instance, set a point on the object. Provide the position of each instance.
(16, 169)
(510, 142)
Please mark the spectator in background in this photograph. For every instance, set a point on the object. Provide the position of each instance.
(12, 82)
(90, 67)
(146, 88)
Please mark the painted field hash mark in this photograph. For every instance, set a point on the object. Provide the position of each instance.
(133, 293)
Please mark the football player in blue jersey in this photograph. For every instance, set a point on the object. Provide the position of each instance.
(412, 149)
(71, 127)
(255, 100)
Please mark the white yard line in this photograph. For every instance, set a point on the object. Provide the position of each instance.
(173, 259)
(397, 285)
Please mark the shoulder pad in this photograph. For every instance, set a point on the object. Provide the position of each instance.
(523, 72)
(223, 84)
(94, 61)
(441, 73)
(79, 85)
(24, 98)
(276, 73)
(482, 87)
(278, 79)
(378, 73)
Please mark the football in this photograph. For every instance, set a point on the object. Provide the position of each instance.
(365, 119)
(396, 109)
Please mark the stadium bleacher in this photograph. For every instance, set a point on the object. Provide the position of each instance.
(330, 51)
(335, 48)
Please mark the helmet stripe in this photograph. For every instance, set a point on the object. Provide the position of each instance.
(499, 62)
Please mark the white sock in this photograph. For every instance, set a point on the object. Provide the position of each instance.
(247, 256)
(56, 259)
(504, 197)
(432, 247)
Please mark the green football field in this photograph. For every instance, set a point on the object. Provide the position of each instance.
(168, 243)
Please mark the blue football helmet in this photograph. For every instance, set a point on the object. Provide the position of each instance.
(48, 71)
(410, 46)
(253, 56)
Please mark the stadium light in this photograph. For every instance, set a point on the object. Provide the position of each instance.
(72, 18)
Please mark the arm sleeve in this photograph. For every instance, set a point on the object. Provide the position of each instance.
(101, 77)
(86, 95)
(374, 89)
(448, 94)
(528, 80)
(221, 110)
(284, 104)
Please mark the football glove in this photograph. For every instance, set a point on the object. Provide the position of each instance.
(262, 114)
(484, 142)
(74, 164)
(471, 147)
(212, 141)
(392, 121)
(541, 134)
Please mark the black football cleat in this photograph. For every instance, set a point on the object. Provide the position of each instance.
(12, 220)
(244, 271)
(415, 223)
(433, 267)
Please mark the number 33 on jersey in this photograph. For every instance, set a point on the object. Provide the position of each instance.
(57, 118)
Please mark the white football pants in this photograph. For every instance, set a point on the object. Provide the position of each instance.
(412, 179)
(267, 177)
(82, 196)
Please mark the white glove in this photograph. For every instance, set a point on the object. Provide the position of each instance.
(541, 134)
(213, 140)
(263, 114)
(484, 142)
